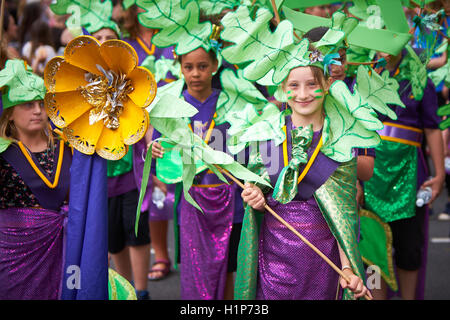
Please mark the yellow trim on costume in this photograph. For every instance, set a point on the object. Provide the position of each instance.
(36, 169)
(401, 126)
(151, 51)
(211, 127)
(310, 161)
(399, 140)
(285, 155)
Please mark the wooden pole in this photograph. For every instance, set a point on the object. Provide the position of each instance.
(269, 209)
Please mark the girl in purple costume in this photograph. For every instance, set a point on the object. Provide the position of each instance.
(32, 214)
(287, 268)
(140, 39)
(208, 240)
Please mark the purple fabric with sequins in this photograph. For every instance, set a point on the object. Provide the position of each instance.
(31, 253)
(288, 268)
(204, 242)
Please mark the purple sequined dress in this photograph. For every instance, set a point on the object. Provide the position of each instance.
(32, 238)
(205, 236)
(288, 269)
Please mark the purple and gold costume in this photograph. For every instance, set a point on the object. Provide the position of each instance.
(32, 233)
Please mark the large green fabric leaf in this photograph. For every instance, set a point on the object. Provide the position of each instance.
(248, 125)
(265, 50)
(195, 154)
(378, 91)
(179, 26)
(390, 40)
(236, 93)
(169, 106)
(161, 67)
(349, 123)
(91, 14)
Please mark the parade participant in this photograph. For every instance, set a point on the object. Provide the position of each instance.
(207, 240)
(393, 196)
(314, 178)
(34, 175)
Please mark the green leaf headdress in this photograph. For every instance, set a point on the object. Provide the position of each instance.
(271, 55)
(19, 84)
(93, 15)
(179, 25)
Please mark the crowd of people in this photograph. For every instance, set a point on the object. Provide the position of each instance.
(228, 245)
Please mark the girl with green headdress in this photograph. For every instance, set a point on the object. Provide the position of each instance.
(34, 180)
(307, 154)
(281, 256)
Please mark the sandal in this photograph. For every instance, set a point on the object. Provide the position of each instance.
(163, 272)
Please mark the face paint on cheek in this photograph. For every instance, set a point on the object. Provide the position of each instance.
(289, 97)
(318, 96)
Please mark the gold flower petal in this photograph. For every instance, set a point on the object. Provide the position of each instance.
(119, 55)
(84, 52)
(61, 76)
(110, 145)
(65, 107)
(83, 136)
(144, 85)
(133, 122)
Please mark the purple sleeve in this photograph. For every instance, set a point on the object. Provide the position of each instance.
(429, 106)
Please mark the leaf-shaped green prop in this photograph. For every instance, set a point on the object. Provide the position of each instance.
(192, 150)
(248, 125)
(341, 26)
(266, 51)
(91, 14)
(236, 93)
(161, 67)
(166, 117)
(378, 91)
(348, 123)
(179, 26)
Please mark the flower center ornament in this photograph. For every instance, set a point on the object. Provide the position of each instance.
(106, 94)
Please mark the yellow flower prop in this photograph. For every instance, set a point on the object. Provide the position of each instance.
(98, 94)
